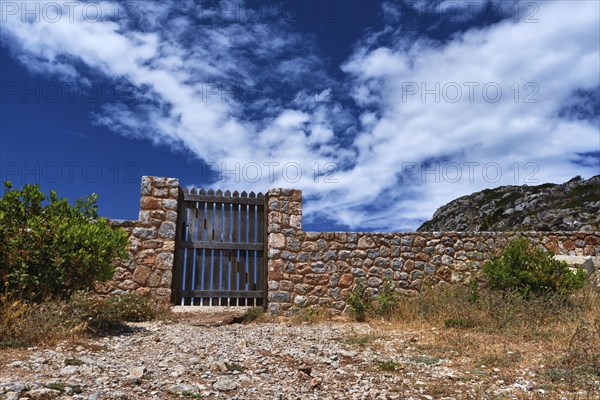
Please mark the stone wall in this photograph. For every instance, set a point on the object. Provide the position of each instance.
(149, 268)
(319, 268)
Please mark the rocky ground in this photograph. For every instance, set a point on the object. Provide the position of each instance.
(267, 360)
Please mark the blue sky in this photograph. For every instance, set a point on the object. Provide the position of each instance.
(379, 111)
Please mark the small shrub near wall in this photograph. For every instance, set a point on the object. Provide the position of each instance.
(531, 271)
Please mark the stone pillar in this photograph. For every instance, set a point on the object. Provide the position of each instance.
(284, 233)
(149, 268)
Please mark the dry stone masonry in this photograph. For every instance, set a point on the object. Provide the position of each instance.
(149, 268)
(320, 268)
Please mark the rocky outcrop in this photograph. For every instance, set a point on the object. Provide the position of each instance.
(571, 206)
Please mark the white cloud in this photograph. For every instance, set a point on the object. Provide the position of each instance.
(182, 64)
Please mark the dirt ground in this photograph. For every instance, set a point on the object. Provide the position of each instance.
(215, 356)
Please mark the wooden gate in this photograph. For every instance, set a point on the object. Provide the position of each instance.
(220, 253)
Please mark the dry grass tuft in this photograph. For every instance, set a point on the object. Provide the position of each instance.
(24, 324)
(503, 336)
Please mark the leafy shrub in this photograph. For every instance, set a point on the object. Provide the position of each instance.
(386, 300)
(531, 270)
(49, 248)
(358, 301)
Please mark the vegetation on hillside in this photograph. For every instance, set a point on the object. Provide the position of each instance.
(571, 206)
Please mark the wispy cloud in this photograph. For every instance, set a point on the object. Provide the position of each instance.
(419, 122)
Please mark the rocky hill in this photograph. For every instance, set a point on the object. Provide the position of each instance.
(571, 206)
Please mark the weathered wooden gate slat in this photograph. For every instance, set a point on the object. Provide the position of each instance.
(220, 248)
(255, 294)
(220, 245)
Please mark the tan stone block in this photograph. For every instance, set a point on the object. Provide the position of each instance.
(303, 268)
(275, 272)
(172, 182)
(295, 208)
(144, 291)
(346, 280)
(134, 245)
(296, 221)
(167, 279)
(157, 215)
(169, 204)
(366, 242)
(316, 279)
(589, 251)
(152, 244)
(164, 261)
(149, 203)
(171, 216)
(155, 278)
(277, 240)
(144, 216)
(341, 237)
(158, 182)
(146, 257)
(169, 246)
(121, 274)
(421, 257)
(162, 292)
(141, 274)
(409, 265)
(274, 217)
(127, 285)
(160, 192)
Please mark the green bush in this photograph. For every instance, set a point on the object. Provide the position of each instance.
(49, 248)
(358, 301)
(531, 270)
(386, 300)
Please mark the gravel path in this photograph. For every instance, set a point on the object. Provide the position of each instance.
(159, 360)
